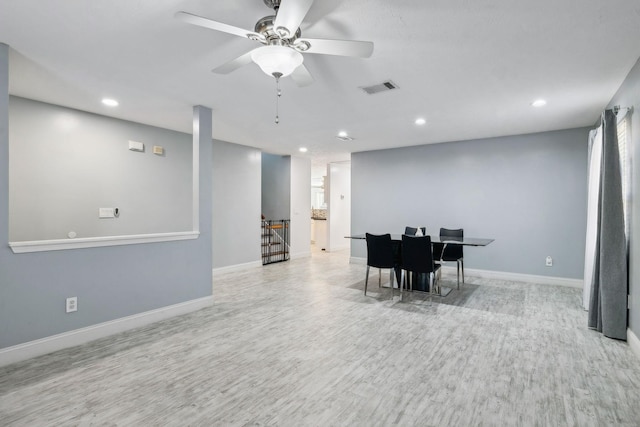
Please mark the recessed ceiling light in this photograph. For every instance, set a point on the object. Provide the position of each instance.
(420, 121)
(344, 136)
(110, 102)
(303, 149)
(539, 103)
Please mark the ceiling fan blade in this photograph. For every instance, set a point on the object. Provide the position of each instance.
(234, 64)
(218, 26)
(337, 47)
(301, 76)
(290, 16)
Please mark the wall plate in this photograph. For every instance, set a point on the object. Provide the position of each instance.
(136, 146)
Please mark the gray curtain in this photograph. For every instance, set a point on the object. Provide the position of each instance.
(608, 304)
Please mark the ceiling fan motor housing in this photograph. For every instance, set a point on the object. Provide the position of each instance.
(265, 27)
(272, 4)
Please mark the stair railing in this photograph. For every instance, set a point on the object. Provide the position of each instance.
(275, 241)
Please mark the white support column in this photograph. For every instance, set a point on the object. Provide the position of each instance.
(203, 175)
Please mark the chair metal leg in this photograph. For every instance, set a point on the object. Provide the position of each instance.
(391, 273)
(458, 272)
(433, 288)
(434, 284)
(412, 279)
(366, 280)
(461, 260)
(379, 277)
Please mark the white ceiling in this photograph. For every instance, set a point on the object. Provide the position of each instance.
(471, 68)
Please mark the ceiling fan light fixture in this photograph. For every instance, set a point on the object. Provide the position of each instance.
(277, 59)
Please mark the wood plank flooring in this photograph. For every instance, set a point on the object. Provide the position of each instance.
(298, 344)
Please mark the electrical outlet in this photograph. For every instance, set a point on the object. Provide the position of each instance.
(72, 304)
(549, 262)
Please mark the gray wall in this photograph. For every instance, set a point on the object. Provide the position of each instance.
(528, 192)
(276, 186)
(66, 164)
(236, 204)
(110, 282)
(629, 96)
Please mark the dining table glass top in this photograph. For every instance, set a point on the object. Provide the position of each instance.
(465, 241)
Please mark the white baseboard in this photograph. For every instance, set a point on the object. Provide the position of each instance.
(76, 337)
(500, 275)
(518, 277)
(634, 342)
(236, 267)
(253, 264)
(299, 255)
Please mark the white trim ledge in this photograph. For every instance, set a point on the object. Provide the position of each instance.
(96, 242)
(634, 342)
(502, 275)
(76, 337)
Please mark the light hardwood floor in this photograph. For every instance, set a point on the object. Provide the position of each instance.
(298, 344)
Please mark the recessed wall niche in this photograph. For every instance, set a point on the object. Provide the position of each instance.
(66, 165)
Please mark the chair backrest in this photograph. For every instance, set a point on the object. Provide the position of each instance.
(452, 252)
(380, 251)
(416, 254)
(412, 231)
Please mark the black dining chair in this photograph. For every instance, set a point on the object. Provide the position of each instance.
(451, 251)
(417, 258)
(411, 231)
(381, 255)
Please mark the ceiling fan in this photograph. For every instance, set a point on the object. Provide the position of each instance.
(283, 44)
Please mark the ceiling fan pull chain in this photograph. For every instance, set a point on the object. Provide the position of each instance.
(278, 94)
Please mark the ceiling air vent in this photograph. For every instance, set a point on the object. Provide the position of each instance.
(344, 138)
(382, 87)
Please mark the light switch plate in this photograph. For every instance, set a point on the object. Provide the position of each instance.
(106, 213)
(136, 146)
(157, 149)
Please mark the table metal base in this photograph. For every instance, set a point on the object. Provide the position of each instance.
(444, 291)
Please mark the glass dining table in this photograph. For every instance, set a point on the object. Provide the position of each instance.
(465, 241)
(446, 240)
